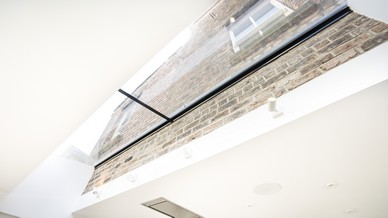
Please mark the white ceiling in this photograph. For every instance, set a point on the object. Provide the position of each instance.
(372, 8)
(60, 60)
(344, 143)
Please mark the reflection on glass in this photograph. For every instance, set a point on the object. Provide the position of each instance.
(128, 122)
(216, 50)
(219, 49)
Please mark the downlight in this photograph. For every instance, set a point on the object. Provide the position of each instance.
(170, 209)
(267, 188)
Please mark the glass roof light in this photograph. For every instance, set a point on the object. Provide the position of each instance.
(216, 51)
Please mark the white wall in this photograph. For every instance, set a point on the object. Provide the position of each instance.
(3, 215)
(54, 188)
(51, 191)
(358, 74)
(376, 9)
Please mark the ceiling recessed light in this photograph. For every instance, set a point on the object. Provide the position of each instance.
(186, 153)
(350, 211)
(331, 185)
(232, 20)
(267, 188)
(96, 192)
(132, 178)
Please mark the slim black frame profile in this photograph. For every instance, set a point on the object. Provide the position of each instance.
(145, 105)
(238, 77)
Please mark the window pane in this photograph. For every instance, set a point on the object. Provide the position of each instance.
(264, 13)
(128, 122)
(243, 28)
(207, 59)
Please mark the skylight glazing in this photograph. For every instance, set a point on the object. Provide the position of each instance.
(231, 37)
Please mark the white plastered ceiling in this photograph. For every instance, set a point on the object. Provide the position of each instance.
(330, 163)
(375, 9)
(60, 60)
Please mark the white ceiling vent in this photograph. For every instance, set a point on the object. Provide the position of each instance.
(170, 209)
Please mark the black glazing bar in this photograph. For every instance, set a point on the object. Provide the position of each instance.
(241, 75)
(145, 105)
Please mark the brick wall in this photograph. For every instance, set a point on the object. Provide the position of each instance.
(187, 66)
(203, 62)
(344, 40)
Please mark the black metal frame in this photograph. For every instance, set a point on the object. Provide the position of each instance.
(238, 77)
(145, 105)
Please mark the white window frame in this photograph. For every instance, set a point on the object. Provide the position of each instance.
(268, 16)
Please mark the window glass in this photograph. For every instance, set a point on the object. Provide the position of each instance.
(216, 50)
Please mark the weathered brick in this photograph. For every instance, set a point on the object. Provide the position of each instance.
(228, 105)
(307, 52)
(303, 79)
(320, 36)
(147, 160)
(128, 159)
(373, 42)
(381, 27)
(321, 44)
(281, 68)
(234, 61)
(235, 95)
(200, 125)
(279, 92)
(335, 43)
(194, 136)
(340, 42)
(316, 63)
(339, 60)
(162, 152)
(304, 61)
(236, 115)
(351, 18)
(249, 93)
(293, 60)
(220, 115)
(238, 106)
(191, 125)
(247, 87)
(254, 104)
(273, 79)
(183, 135)
(208, 116)
(342, 32)
(107, 179)
(351, 44)
(213, 126)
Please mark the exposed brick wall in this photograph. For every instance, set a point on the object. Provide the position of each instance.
(186, 66)
(203, 62)
(344, 40)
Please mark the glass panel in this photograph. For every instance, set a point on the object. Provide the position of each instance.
(264, 14)
(205, 58)
(208, 58)
(128, 122)
(243, 28)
